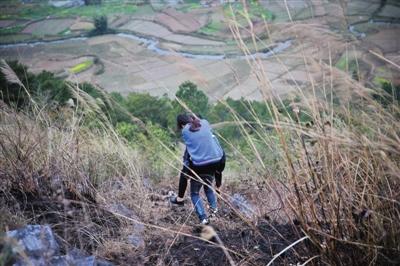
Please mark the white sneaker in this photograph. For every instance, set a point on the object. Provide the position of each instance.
(205, 222)
(213, 214)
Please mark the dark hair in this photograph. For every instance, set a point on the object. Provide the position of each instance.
(183, 119)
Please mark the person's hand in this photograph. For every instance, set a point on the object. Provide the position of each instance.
(217, 189)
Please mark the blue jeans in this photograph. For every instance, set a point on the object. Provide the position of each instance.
(195, 187)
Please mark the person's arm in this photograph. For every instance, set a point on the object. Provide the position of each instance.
(186, 162)
(184, 175)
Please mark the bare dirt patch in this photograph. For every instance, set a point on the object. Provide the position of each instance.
(48, 27)
(10, 10)
(188, 20)
(30, 28)
(125, 18)
(6, 23)
(144, 27)
(171, 23)
(81, 25)
(385, 39)
(63, 24)
(178, 21)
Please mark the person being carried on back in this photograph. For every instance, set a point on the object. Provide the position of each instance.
(203, 158)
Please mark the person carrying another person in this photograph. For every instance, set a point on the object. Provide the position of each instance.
(203, 158)
(183, 179)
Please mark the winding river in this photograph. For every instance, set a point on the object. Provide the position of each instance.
(363, 35)
(152, 45)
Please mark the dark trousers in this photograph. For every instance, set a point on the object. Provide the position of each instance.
(209, 169)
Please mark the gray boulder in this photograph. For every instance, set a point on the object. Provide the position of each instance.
(37, 246)
(242, 205)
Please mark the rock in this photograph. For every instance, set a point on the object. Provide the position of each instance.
(40, 248)
(37, 241)
(240, 203)
(76, 3)
(135, 240)
(172, 194)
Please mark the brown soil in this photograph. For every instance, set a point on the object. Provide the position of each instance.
(81, 25)
(6, 23)
(63, 26)
(258, 30)
(394, 80)
(121, 21)
(178, 21)
(30, 28)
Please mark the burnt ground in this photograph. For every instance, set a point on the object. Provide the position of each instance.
(81, 223)
(252, 247)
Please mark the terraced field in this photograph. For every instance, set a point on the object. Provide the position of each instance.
(159, 65)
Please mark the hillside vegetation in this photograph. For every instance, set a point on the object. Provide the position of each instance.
(319, 168)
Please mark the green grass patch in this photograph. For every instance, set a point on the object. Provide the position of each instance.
(14, 38)
(382, 70)
(43, 10)
(267, 15)
(213, 28)
(144, 10)
(106, 8)
(63, 31)
(10, 30)
(381, 80)
(216, 24)
(195, 6)
(242, 21)
(262, 12)
(341, 64)
(208, 30)
(82, 66)
(37, 11)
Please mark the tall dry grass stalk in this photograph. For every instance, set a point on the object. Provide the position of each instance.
(342, 167)
(73, 159)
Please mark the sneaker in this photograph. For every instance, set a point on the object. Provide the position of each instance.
(205, 222)
(174, 200)
(214, 214)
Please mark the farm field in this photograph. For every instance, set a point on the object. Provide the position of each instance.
(160, 64)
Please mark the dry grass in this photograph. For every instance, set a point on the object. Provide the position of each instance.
(341, 169)
(334, 180)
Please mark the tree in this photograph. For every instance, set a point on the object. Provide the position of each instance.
(56, 89)
(389, 94)
(14, 92)
(149, 108)
(100, 24)
(193, 98)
